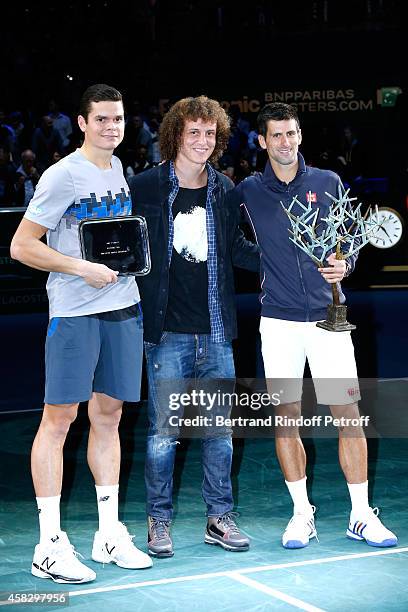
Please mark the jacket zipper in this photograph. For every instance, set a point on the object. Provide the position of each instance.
(301, 275)
(303, 286)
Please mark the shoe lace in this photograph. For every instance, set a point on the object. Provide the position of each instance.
(160, 528)
(66, 552)
(228, 523)
(374, 515)
(125, 538)
(299, 518)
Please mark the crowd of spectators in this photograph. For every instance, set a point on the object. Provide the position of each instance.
(28, 147)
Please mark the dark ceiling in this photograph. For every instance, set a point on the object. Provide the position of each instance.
(153, 48)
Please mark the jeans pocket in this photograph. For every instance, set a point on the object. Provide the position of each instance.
(150, 345)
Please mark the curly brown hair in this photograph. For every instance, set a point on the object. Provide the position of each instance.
(192, 109)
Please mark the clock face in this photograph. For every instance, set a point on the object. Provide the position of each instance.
(389, 230)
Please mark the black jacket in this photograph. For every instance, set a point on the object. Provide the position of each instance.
(150, 191)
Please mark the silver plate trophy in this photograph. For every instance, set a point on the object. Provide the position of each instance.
(344, 231)
(121, 243)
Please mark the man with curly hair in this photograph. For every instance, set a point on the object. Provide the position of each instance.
(189, 307)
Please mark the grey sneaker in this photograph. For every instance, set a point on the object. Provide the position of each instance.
(223, 531)
(158, 538)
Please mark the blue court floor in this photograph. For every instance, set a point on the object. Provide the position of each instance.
(332, 574)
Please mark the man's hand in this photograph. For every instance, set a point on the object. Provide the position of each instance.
(97, 275)
(337, 269)
(33, 173)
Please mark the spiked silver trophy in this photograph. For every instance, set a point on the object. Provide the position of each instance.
(344, 231)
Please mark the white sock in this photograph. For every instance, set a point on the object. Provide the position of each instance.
(359, 497)
(49, 517)
(107, 497)
(298, 493)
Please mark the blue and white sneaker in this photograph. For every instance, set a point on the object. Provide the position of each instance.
(370, 528)
(300, 529)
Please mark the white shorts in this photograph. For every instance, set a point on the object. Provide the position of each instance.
(285, 347)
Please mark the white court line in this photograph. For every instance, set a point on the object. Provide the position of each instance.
(23, 410)
(391, 379)
(293, 601)
(245, 570)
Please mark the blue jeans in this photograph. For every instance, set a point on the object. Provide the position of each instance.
(176, 357)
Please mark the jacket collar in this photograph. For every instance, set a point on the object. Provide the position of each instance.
(164, 174)
(269, 177)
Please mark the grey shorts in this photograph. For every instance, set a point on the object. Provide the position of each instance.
(99, 352)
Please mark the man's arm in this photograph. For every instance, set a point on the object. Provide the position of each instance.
(28, 248)
(245, 254)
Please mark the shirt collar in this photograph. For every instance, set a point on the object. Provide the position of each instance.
(269, 175)
(210, 173)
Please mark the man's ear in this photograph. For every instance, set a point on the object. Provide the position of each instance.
(262, 142)
(300, 135)
(82, 123)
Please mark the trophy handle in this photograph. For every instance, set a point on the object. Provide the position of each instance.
(335, 290)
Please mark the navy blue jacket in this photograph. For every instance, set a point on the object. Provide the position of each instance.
(291, 286)
(150, 192)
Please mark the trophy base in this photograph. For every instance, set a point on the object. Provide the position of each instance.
(336, 319)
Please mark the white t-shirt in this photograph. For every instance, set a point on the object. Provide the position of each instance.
(69, 191)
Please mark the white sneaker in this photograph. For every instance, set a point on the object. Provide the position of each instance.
(299, 530)
(57, 560)
(117, 547)
(369, 528)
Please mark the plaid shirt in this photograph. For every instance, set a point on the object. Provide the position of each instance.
(214, 307)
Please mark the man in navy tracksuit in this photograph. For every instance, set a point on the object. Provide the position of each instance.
(294, 295)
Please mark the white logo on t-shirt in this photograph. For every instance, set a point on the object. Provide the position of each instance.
(190, 235)
(35, 210)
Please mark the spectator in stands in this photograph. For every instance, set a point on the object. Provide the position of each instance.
(135, 135)
(242, 124)
(230, 172)
(322, 152)
(55, 157)
(7, 178)
(7, 134)
(140, 162)
(237, 142)
(46, 140)
(349, 157)
(243, 169)
(27, 177)
(22, 135)
(152, 125)
(253, 147)
(62, 123)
